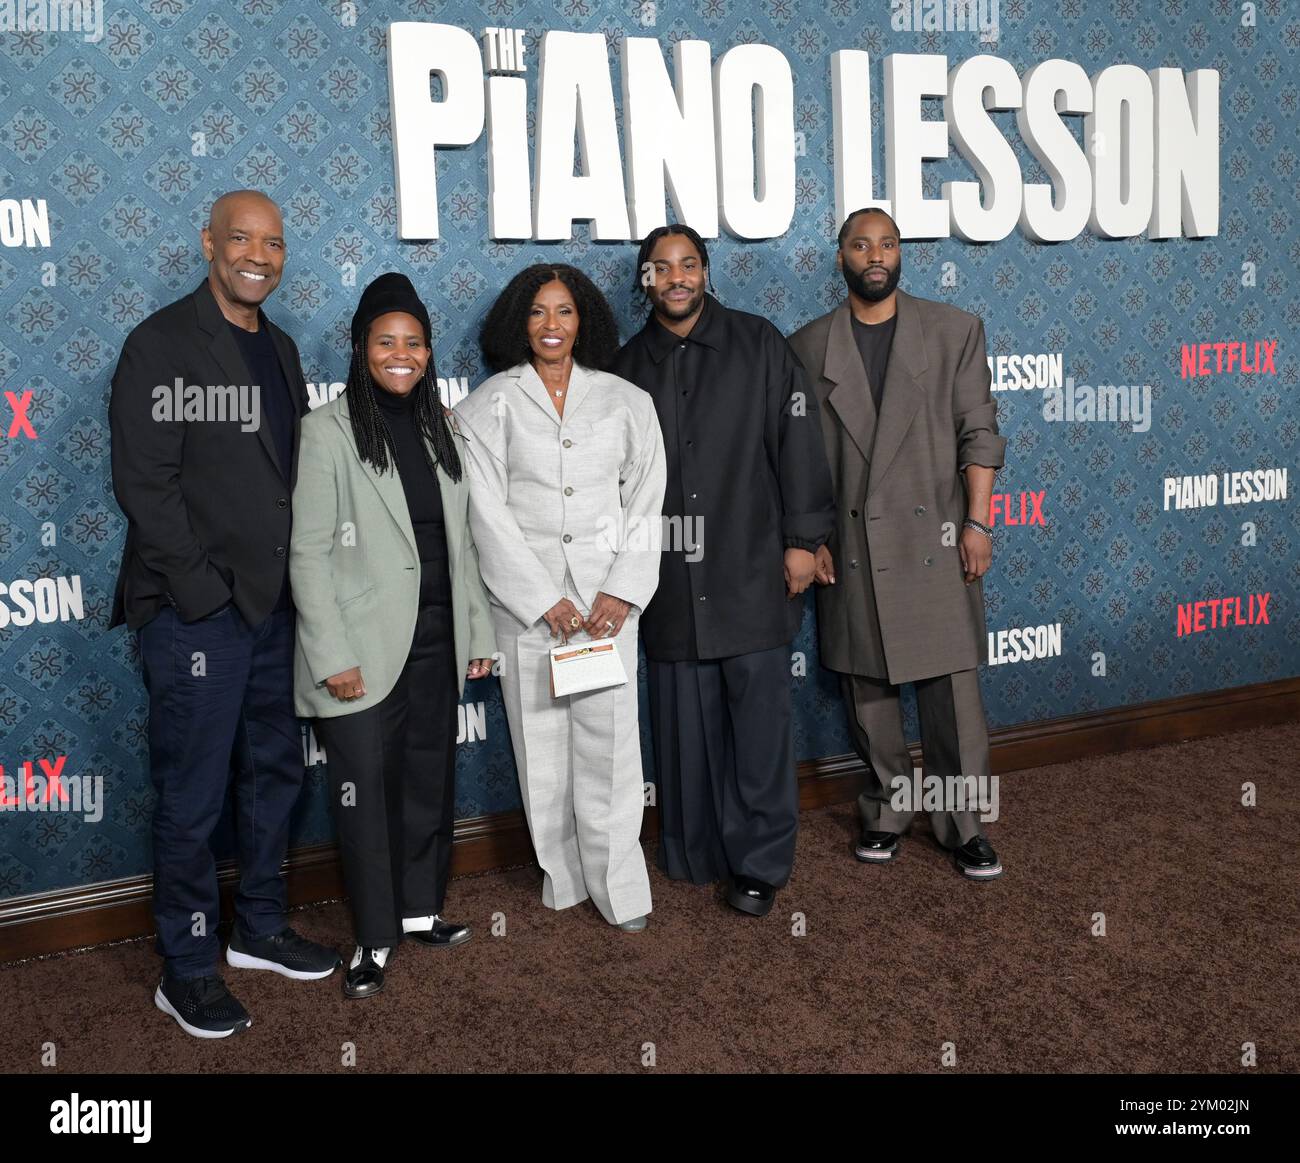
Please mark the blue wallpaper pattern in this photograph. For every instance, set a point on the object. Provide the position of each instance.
(294, 102)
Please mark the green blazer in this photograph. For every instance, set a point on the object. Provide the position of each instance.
(355, 572)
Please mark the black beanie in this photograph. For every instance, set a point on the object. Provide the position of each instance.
(389, 292)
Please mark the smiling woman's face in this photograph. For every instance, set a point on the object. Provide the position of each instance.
(552, 322)
(396, 352)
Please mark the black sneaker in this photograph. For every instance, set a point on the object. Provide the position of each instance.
(202, 1006)
(977, 859)
(877, 847)
(286, 953)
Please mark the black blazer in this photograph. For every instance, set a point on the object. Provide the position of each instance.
(207, 504)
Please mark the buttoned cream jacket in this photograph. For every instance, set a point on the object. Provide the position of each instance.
(582, 492)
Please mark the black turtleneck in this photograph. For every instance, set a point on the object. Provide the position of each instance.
(423, 497)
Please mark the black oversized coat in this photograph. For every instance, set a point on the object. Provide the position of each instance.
(747, 479)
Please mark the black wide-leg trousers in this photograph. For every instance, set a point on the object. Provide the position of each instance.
(724, 767)
(392, 787)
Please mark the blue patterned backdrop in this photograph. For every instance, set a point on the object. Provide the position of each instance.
(292, 99)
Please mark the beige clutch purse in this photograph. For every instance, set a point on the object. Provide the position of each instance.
(585, 666)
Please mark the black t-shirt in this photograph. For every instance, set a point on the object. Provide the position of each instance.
(275, 407)
(423, 496)
(874, 341)
(275, 404)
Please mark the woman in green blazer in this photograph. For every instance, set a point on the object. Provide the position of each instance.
(392, 618)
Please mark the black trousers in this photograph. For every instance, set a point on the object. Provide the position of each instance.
(392, 773)
(724, 767)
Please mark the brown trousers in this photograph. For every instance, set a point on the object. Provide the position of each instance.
(954, 742)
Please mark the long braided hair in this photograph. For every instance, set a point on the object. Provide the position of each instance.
(374, 441)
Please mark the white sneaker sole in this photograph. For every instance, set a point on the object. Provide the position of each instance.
(247, 961)
(160, 1000)
(981, 873)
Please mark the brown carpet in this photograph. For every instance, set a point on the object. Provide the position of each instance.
(1201, 900)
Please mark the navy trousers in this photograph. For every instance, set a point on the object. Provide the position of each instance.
(220, 713)
(724, 767)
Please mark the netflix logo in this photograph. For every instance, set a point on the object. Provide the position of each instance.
(1218, 613)
(1017, 508)
(1204, 359)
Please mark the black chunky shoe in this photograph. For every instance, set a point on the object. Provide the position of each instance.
(977, 859)
(878, 847)
(750, 896)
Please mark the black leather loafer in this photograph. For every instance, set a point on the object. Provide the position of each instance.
(443, 934)
(365, 973)
(750, 896)
(877, 847)
(977, 859)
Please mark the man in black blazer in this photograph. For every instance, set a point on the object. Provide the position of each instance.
(204, 419)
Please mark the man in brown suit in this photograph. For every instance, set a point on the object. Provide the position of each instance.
(912, 438)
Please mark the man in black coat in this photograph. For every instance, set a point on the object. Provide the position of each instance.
(748, 504)
(204, 420)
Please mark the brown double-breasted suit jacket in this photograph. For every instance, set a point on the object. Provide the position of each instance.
(900, 608)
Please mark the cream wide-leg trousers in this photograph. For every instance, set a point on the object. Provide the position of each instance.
(579, 763)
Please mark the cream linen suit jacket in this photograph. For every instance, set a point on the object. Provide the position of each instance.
(582, 493)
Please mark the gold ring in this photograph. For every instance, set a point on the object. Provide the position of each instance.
(575, 621)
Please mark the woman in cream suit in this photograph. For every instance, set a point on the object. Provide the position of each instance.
(566, 464)
(392, 618)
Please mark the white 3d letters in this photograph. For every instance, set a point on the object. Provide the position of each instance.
(910, 140)
(1187, 154)
(669, 135)
(510, 213)
(976, 86)
(851, 114)
(574, 92)
(750, 139)
(717, 139)
(1122, 141)
(420, 124)
(1051, 89)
